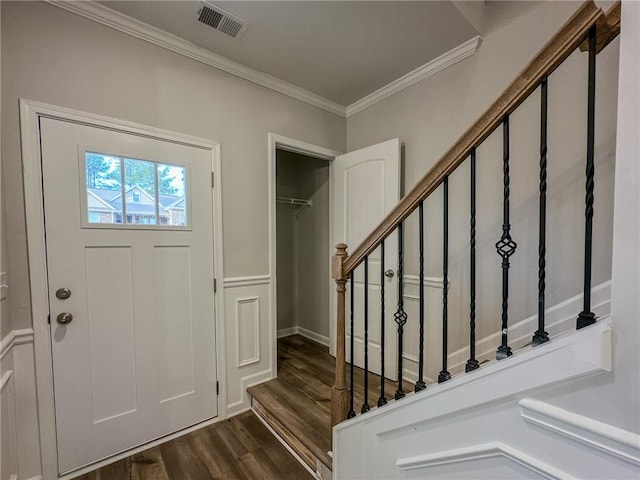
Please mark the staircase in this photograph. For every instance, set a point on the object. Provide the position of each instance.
(436, 412)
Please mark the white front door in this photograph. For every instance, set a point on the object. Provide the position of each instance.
(366, 188)
(129, 240)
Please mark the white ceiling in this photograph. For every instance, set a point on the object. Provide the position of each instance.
(340, 50)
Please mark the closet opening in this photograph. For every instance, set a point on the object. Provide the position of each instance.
(302, 264)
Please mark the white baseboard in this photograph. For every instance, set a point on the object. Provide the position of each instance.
(286, 332)
(297, 330)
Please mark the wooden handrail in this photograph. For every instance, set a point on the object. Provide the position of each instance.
(568, 38)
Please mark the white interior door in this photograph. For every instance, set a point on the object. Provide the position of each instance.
(366, 188)
(129, 234)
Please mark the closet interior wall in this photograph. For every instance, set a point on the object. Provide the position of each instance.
(302, 252)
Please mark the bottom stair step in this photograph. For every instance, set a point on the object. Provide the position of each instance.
(318, 462)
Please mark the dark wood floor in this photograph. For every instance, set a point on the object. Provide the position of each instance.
(300, 397)
(234, 449)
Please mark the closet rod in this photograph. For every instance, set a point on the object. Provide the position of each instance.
(294, 201)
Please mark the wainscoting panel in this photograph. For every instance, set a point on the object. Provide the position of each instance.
(250, 330)
(20, 436)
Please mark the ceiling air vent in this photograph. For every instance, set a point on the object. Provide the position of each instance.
(222, 21)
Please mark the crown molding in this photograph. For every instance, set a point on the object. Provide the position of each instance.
(436, 65)
(136, 28)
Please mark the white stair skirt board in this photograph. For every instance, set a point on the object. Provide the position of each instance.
(297, 330)
(571, 355)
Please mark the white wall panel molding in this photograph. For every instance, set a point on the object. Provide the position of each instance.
(481, 452)
(559, 318)
(243, 404)
(247, 331)
(15, 337)
(436, 65)
(412, 286)
(8, 423)
(607, 438)
(251, 355)
(16, 348)
(234, 282)
(28, 441)
(4, 380)
(123, 23)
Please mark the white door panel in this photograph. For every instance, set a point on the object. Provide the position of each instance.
(367, 187)
(137, 361)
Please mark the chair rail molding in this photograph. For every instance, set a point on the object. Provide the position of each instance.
(249, 281)
(15, 337)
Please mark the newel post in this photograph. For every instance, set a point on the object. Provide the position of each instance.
(339, 392)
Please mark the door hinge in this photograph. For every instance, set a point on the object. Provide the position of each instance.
(49, 319)
(215, 285)
(217, 388)
(213, 179)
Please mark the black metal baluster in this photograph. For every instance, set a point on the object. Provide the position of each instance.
(351, 413)
(587, 317)
(444, 375)
(400, 316)
(540, 336)
(365, 405)
(472, 363)
(383, 399)
(505, 246)
(420, 384)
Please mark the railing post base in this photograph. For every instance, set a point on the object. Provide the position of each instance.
(503, 352)
(585, 319)
(471, 366)
(539, 338)
(339, 405)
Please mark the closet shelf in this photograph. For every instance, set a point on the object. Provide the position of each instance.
(294, 201)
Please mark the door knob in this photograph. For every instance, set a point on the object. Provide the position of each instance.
(64, 318)
(389, 273)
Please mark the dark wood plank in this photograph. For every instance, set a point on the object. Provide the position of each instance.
(300, 398)
(148, 465)
(239, 448)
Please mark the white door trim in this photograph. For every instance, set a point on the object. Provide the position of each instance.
(304, 148)
(30, 114)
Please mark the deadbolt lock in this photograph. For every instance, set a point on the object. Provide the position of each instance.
(63, 293)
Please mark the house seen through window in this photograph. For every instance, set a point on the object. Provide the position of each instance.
(128, 191)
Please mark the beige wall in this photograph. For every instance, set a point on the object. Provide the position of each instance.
(303, 244)
(59, 58)
(429, 117)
